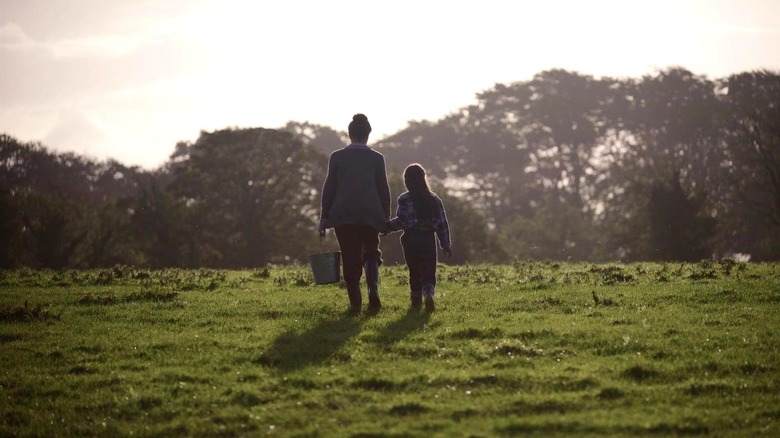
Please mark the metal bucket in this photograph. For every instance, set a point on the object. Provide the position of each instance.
(326, 267)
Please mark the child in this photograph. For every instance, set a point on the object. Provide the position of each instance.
(421, 216)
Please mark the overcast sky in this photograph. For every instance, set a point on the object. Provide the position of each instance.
(128, 79)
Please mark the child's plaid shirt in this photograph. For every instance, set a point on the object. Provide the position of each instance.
(406, 219)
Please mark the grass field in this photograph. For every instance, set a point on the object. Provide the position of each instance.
(513, 350)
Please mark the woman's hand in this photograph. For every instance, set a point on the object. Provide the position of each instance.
(448, 251)
(322, 227)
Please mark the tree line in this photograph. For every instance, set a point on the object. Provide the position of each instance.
(671, 166)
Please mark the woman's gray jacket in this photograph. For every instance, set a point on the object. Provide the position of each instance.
(356, 189)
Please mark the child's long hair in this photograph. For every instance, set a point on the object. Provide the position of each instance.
(417, 185)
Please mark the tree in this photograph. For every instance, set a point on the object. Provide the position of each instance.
(108, 241)
(322, 138)
(555, 231)
(251, 195)
(678, 230)
(671, 145)
(158, 225)
(750, 189)
(473, 239)
(522, 147)
(11, 229)
(754, 144)
(53, 230)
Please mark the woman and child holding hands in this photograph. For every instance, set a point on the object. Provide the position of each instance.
(356, 203)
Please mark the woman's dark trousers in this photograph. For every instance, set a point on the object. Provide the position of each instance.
(421, 257)
(359, 246)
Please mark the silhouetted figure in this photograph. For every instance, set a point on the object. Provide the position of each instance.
(356, 202)
(421, 216)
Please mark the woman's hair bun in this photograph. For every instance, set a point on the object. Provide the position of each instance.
(359, 128)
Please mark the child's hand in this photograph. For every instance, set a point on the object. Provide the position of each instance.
(448, 251)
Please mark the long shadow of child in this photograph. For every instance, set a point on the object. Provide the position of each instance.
(411, 322)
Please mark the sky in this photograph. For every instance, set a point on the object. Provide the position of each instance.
(128, 79)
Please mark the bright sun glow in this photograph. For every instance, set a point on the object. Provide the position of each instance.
(133, 78)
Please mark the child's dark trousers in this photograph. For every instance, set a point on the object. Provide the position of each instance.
(421, 257)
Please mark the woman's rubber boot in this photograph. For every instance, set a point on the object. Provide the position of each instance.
(416, 299)
(355, 298)
(372, 281)
(428, 292)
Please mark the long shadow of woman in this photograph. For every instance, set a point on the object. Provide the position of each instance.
(295, 350)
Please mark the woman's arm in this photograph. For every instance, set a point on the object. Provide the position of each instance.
(383, 187)
(328, 192)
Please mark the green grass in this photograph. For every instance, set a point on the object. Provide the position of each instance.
(516, 350)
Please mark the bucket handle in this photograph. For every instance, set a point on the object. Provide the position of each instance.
(322, 246)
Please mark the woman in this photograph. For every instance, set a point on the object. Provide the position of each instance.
(356, 202)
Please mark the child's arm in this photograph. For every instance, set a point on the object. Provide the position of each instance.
(405, 216)
(442, 228)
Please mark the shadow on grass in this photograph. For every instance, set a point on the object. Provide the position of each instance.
(295, 350)
(411, 322)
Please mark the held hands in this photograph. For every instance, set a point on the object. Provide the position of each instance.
(447, 251)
